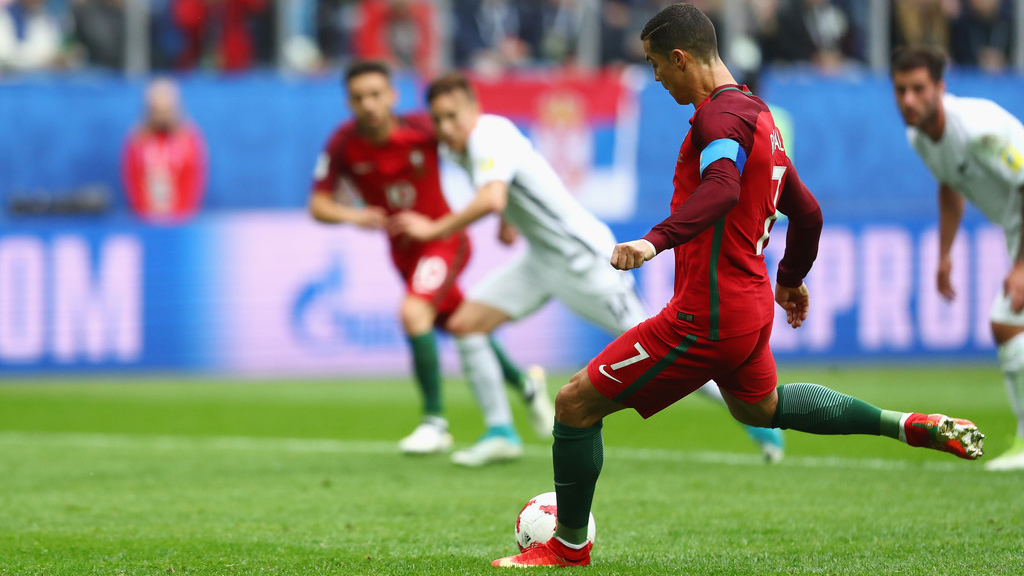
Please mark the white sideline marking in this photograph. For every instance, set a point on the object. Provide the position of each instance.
(330, 446)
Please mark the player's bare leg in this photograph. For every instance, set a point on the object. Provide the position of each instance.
(471, 325)
(819, 410)
(476, 317)
(578, 455)
(769, 440)
(431, 435)
(1010, 343)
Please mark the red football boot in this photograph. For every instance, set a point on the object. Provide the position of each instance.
(550, 553)
(954, 435)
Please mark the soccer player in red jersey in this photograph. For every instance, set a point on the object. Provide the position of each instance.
(731, 180)
(391, 162)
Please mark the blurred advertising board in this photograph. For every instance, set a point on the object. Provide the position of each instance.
(259, 293)
(308, 298)
(273, 293)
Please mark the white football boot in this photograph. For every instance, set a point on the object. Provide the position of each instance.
(497, 445)
(1012, 459)
(430, 437)
(542, 409)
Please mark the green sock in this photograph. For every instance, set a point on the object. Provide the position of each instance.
(819, 410)
(427, 368)
(513, 376)
(578, 454)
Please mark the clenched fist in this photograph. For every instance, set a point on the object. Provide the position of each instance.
(630, 255)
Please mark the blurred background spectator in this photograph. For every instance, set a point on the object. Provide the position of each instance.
(30, 36)
(99, 32)
(488, 36)
(165, 164)
(983, 35)
(166, 40)
(333, 23)
(402, 32)
(561, 25)
(820, 32)
(224, 34)
(923, 22)
(616, 27)
(493, 34)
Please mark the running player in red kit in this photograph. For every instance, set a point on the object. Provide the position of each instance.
(392, 163)
(731, 180)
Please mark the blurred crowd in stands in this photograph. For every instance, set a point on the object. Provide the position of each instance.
(484, 35)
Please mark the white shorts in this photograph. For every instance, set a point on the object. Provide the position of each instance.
(1002, 312)
(599, 293)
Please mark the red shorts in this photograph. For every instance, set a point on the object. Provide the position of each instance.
(430, 271)
(647, 371)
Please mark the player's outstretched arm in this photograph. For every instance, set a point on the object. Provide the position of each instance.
(490, 198)
(951, 212)
(1013, 286)
(323, 208)
(630, 255)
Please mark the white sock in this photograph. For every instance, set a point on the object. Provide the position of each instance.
(903, 426)
(436, 421)
(711, 391)
(571, 545)
(482, 369)
(1011, 359)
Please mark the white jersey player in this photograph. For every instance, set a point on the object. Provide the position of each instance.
(975, 149)
(569, 249)
(978, 157)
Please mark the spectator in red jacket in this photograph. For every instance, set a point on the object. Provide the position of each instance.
(165, 162)
(217, 32)
(402, 32)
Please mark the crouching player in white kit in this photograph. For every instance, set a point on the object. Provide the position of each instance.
(975, 149)
(568, 254)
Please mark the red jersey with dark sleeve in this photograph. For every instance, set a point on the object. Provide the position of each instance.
(718, 229)
(401, 174)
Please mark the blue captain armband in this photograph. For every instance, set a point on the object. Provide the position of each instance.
(723, 148)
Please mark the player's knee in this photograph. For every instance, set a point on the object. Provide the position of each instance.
(758, 414)
(459, 325)
(567, 405)
(417, 316)
(571, 405)
(1003, 333)
(469, 320)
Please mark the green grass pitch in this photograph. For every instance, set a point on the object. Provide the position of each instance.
(163, 476)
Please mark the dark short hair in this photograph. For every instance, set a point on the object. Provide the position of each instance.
(681, 26)
(360, 67)
(447, 83)
(910, 58)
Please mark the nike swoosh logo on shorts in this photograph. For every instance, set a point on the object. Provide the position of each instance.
(601, 370)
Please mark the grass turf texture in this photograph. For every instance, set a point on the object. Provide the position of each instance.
(205, 477)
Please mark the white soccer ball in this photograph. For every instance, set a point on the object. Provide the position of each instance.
(536, 521)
